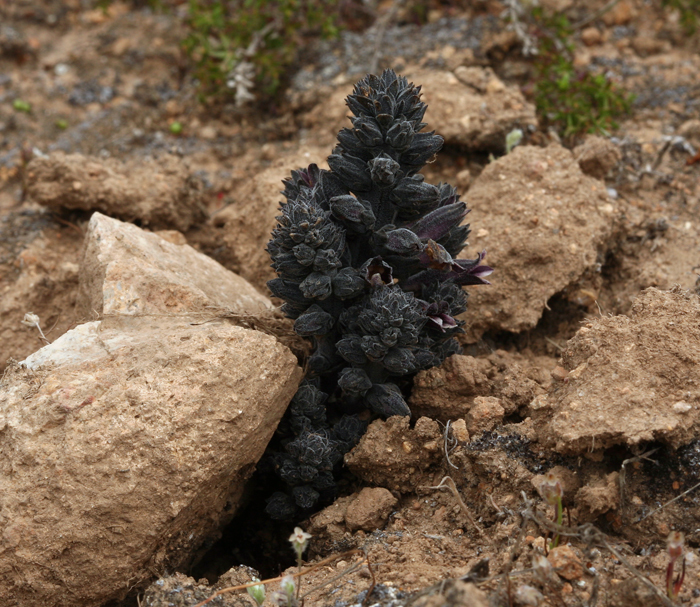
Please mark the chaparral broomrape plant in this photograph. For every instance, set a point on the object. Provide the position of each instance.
(366, 260)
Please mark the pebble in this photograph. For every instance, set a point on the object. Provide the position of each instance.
(566, 563)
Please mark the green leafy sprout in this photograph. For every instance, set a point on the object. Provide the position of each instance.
(574, 101)
(241, 48)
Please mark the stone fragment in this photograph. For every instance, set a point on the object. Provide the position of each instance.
(543, 224)
(126, 270)
(370, 509)
(162, 193)
(329, 523)
(125, 444)
(597, 156)
(394, 456)
(485, 414)
(598, 496)
(448, 392)
(626, 374)
(566, 562)
(591, 36)
(472, 107)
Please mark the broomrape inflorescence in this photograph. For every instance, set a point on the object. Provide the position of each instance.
(366, 260)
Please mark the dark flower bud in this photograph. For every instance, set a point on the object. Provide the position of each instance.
(387, 400)
(426, 359)
(280, 506)
(399, 361)
(439, 222)
(348, 283)
(301, 178)
(286, 289)
(353, 213)
(316, 286)
(403, 242)
(367, 131)
(384, 170)
(348, 430)
(324, 481)
(325, 356)
(377, 267)
(423, 148)
(305, 497)
(307, 473)
(400, 135)
(373, 347)
(314, 322)
(350, 348)
(413, 195)
(354, 381)
(304, 254)
(289, 471)
(390, 336)
(326, 260)
(352, 171)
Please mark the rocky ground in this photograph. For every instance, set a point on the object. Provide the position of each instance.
(140, 394)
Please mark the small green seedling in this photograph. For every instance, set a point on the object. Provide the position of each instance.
(552, 491)
(176, 128)
(512, 139)
(286, 595)
(675, 551)
(257, 593)
(22, 106)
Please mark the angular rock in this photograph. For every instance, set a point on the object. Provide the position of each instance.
(392, 455)
(370, 509)
(566, 562)
(597, 156)
(631, 379)
(472, 107)
(598, 497)
(125, 444)
(543, 223)
(485, 414)
(126, 270)
(449, 391)
(161, 192)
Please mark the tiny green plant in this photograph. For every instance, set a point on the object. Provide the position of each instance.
(62, 124)
(552, 491)
(512, 139)
(675, 551)
(22, 106)
(176, 128)
(241, 48)
(572, 100)
(286, 595)
(257, 593)
(689, 11)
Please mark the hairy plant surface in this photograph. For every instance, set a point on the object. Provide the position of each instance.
(366, 259)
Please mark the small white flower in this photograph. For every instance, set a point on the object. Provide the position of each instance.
(299, 539)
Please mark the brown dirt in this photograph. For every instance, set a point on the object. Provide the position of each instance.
(575, 237)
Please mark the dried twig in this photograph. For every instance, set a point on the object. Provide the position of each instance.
(668, 503)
